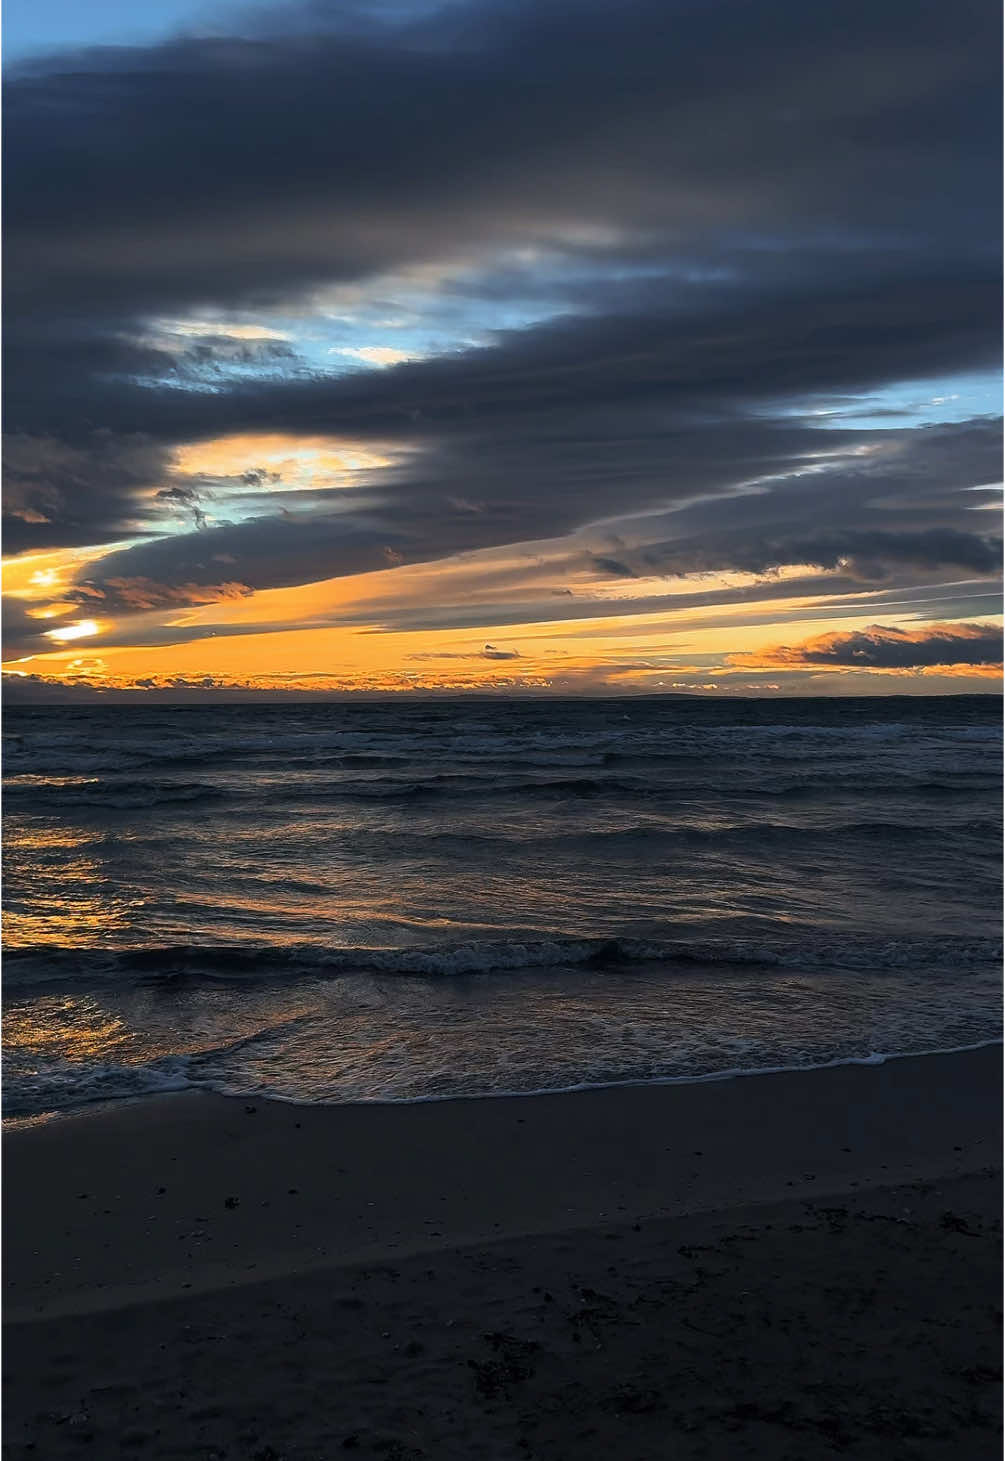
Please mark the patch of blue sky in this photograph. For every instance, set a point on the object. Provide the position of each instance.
(365, 326)
(433, 310)
(34, 27)
(433, 313)
(926, 402)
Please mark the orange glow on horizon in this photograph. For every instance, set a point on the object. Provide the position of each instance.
(643, 652)
(354, 632)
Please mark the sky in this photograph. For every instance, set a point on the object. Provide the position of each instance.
(550, 347)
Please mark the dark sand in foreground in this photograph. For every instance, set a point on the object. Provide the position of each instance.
(799, 1266)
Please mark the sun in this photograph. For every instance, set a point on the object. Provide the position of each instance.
(82, 629)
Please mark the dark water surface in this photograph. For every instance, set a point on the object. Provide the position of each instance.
(398, 901)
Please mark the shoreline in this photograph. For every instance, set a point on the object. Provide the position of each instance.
(31, 1120)
(190, 1190)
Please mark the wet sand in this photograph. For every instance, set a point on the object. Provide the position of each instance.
(786, 1266)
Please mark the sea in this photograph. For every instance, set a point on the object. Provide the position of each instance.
(412, 900)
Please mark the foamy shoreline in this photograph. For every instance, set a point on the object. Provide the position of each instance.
(176, 1085)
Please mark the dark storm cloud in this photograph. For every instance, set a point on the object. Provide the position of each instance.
(539, 428)
(932, 479)
(869, 556)
(690, 351)
(906, 509)
(136, 595)
(276, 552)
(22, 635)
(834, 598)
(248, 166)
(613, 566)
(881, 647)
(764, 203)
(70, 494)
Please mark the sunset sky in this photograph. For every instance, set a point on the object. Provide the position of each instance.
(557, 347)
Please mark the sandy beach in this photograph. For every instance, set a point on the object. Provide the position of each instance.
(791, 1265)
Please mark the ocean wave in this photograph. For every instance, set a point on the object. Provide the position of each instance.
(36, 1082)
(46, 965)
(289, 790)
(52, 794)
(680, 830)
(61, 1085)
(113, 794)
(552, 735)
(453, 784)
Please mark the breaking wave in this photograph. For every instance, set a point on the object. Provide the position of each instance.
(50, 965)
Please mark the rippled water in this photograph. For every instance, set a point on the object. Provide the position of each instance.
(399, 901)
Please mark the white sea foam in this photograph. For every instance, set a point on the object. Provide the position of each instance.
(109, 1082)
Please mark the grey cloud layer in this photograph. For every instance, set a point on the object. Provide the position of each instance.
(902, 516)
(765, 202)
(249, 165)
